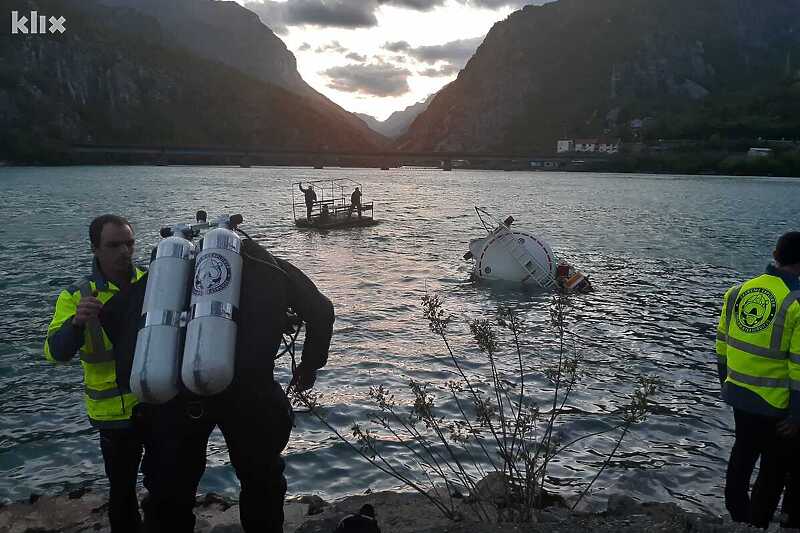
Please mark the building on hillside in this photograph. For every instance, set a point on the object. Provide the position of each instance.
(544, 164)
(585, 145)
(566, 145)
(609, 146)
(759, 152)
(602, 145)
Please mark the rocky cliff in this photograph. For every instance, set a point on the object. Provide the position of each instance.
(226, 32)
(573, 68)
(398, 122)
(118, 75)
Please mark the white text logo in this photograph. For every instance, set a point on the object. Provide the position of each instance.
(36, 24)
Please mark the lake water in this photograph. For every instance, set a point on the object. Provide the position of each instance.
(660, 250)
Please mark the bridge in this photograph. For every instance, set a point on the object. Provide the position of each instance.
(247, 156)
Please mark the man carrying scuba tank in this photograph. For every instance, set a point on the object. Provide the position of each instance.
(81, 324)
(252, 411)
(758, 349)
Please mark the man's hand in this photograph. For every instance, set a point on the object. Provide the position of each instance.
(303, 378)
(788, 428)
(88, 309)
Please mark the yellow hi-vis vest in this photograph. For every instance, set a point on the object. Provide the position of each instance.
(107, 404)
(758, 339)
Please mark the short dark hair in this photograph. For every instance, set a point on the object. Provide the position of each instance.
(367, 510)
(96, 227)
(787, 251)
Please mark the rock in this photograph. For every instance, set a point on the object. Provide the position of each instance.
(294, 514)
(326, 525)
(446, 493)
(78, 493)
(226, 529)
(314, 502)
(214, 499)
(493, 488)
(619, 504)
(554, 514)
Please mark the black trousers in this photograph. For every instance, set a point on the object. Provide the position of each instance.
(756, 437)
(256, 424)
(122, 453)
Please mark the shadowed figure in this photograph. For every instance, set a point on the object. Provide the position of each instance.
(311, 197)
(355, 202)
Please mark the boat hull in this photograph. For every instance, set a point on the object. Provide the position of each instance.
(494, 260)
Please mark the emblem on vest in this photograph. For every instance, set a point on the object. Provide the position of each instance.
(213, 274)
(755, 309)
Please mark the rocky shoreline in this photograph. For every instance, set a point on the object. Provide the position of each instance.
(85, 510)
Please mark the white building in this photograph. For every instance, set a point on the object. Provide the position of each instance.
(608, 146)
(566, 145)
(585, 145)
(759, 152)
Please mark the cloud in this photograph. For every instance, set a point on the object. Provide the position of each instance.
(332, 13)
(304, 47)
(497, 4)
(397, 46)
(417, 5)
(351, 14)
(444, 70)
(333, 46)
(356, 57)
(326, 13)
(455, 53)
(377, 79)
(428, 5)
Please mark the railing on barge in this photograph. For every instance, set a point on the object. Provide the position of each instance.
(332, 207)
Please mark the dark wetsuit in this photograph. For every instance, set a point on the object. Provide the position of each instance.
(253, 414)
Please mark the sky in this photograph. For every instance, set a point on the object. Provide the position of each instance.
(380, 56)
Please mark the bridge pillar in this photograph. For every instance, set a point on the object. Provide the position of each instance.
(447, 165)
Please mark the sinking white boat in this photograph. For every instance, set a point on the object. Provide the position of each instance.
(517, 256)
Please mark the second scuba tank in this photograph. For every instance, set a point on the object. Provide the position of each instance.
(208, 357)
(154, 376)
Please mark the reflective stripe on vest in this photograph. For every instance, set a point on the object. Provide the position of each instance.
(780, 319)
(755, 381)
(96, 351)
(104, 394)
(756, 350)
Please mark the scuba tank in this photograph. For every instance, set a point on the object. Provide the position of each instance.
(154, 375)
(209, 352)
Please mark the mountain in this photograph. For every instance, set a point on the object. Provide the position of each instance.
(584, 68)
(399, 121)
(226, 32)
(120, 76)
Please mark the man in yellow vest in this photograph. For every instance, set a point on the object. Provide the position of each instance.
(758, 349)
(80, 325)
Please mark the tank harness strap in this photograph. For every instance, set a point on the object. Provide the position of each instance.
(96, 349)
